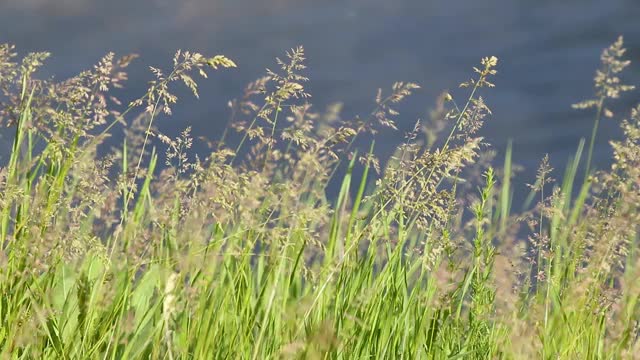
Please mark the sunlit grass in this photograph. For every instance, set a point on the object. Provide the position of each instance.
(146, 250)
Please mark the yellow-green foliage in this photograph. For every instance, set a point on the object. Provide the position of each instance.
(147, 251)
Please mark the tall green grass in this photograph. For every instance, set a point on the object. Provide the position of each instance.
(146, 251)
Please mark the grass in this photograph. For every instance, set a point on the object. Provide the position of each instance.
(147, 251)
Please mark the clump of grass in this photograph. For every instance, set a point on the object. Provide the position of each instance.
(241, 254)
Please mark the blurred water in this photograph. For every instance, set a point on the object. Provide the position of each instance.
(548, 50)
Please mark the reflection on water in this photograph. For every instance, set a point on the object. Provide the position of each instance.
(548, 51)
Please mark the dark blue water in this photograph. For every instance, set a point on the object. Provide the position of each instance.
(548, 52)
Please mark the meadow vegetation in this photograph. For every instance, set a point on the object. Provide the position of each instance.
(146, 250)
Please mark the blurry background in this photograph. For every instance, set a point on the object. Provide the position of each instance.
(548, 51)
